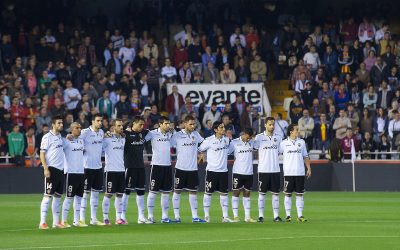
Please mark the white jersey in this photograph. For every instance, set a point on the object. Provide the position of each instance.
(161, 145)
(186, 149)
(73, 150)
(114, 154)
(243, 152)
(268, 152)
(293, 156)
(93, 142)
(217, 153)
(52, 145)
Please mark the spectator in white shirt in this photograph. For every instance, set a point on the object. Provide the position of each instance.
(235, 35)
(311, 59)
(127, 53)
(117, 39)
(71, 96)
(168, 72)
(185, 36)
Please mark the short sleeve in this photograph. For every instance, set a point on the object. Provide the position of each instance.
(149, 136)
(304, 150)
(174, 140)
(256, 142)
(45, 144)
(204, 146)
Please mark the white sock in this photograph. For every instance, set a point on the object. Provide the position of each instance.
(261, 204)
(118, 207)
(125, 200)
(235, 206)
(140, 205)
(206, 205)
(106, 207)
(82, 213)
(55, 209)
(288, 204)
(299, 205)
(94, 203)
(193, 205)
(44, 206)
(246, 206)
(164, 205)
(275, 204)
(65, 209)
(77, 208)
(150, 204)
(223, 200)
(176, 200)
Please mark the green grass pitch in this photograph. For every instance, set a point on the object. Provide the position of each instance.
(335, 221)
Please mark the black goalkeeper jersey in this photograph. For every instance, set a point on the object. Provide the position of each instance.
(133, 150)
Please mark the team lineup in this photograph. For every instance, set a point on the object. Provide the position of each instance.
(74, 163)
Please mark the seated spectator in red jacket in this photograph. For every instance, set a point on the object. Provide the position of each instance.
(345, 144)
(173, 104)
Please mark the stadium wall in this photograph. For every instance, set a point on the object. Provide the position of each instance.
(326, 176)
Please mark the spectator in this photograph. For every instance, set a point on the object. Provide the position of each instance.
(352, 114)
(341, 96)
(127, 52)
(301, 83)
(306, 127)
(280, 126)
(296, 75)
(245, 119)
(104, 104)
(227, 75)
(258, 69)
(208, 57)
(324, 93)
(210, 74)
(322, 133)
(393, 79)
(88, 51)
(208, 131)
(316, 109)
(107, 54)
(185, 73)
(366, 122)
(384, 147)
(295, 109)
(223, 58)
(308, 95)
(16, 146)
(366, 31)
(370, 99)
(378, 71)
(388, 57)
(367, 147)
(213, 114)
(384, 96)
(252, 36)
(370, 60)
(363, 74)
(144, 90)
(31, 113)
(168, 72)
(117, 39)
(312, 60)
(31, 149)
(345, 144)
(82, 120)
(394, 130)
(115, 65)
(188, 107)
(237, 35)
(123, 106)
(330, 61)
(380, 125)
(150, 49)
(17, 112)
(349, 31)
(173, 104)
(154, 115)
(341, 124)
(71, 98)
(185, 36)
(242, 72)
(153, 78)
(346, 60)
(180, 55)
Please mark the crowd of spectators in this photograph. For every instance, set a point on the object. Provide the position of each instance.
(343, 72)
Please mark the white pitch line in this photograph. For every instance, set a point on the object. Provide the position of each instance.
(314, 222)
(209, 241)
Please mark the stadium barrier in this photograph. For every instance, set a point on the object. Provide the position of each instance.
(370, 175)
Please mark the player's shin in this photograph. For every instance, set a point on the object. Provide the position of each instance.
(164, 205)
(288, 204)
(193, 204)
(44, 207)
(55, 208)
(261, 205)
(176, 200)
(65, 209)
(77, 208)
(206, 205)
(125, 200)
(224, 205)
(82, 212)
(275, 205)
(299, 205)
(150, 204)
(94, 203)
